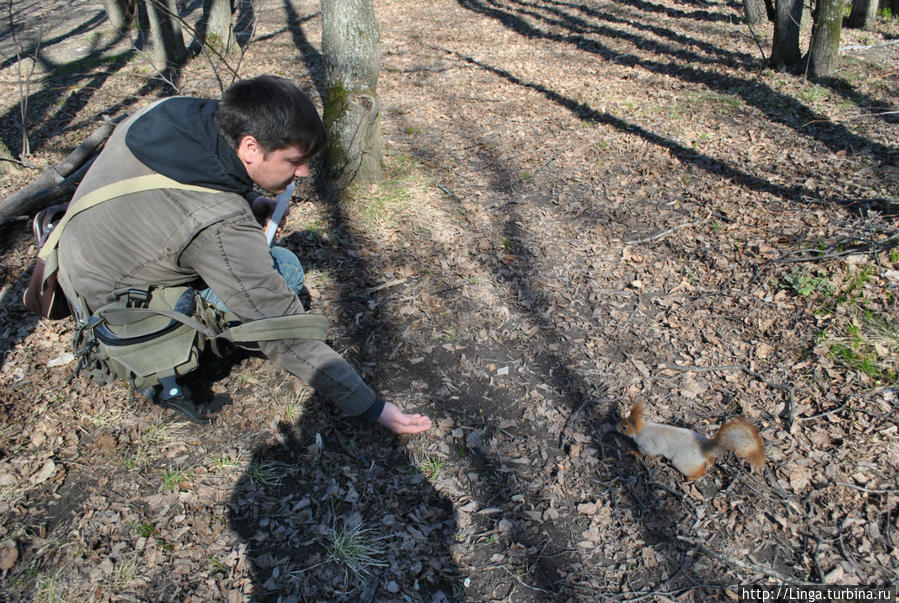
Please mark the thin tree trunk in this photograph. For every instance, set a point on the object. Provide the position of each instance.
(352, 59)
(822, 54)
(168, 48)
(864, 14)
(119, 12)
(785, 49)
(219, 24)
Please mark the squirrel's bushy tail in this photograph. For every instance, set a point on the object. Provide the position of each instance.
(744, 440)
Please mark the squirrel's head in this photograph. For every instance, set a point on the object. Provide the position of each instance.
(633, 422)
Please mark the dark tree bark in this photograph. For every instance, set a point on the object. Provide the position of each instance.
(822, 55)
(864, 14)
(219, 16)
(785, 49)
(352, 58)
(165, 34)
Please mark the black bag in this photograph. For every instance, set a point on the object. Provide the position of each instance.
(45, 297)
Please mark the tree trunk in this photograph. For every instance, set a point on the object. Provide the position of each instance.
(864, 14)
(219, 25)
(754, 11)
(165, 33)
(120, 13)
(785, 49)
(822, 54)
(352, 59)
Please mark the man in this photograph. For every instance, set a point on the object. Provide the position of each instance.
(263, 132)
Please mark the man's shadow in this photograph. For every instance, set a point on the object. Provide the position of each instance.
(332, 509)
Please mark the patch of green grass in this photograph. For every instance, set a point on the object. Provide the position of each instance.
(317, 278)
(293, 410)
(125, 571)
(813, 94)
(160, 433)
(431, 467)
(722, 103)
(145, 530)
(216, 566)
(264, 474)
(869, 344)
(225, 462)
(102, 420)
(394, 202)
(48, 588)
(412, 130)
(140, 459)
(804, 283)
(173, 477)
(354, 548)
(863, 336)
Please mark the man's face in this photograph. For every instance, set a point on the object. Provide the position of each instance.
(272, 171)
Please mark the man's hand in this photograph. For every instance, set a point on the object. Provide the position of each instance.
(399, 422)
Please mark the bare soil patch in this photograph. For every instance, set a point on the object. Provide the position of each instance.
(588, 205)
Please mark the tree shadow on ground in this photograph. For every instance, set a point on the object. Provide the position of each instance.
(689, 156)
(70, 86)
(329, 480)
(777, 107)
(335, 510)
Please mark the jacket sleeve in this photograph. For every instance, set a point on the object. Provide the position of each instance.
(235, 262)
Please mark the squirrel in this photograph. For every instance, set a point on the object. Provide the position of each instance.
(690, 452)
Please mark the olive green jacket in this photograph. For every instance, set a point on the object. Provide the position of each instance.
(168, 237)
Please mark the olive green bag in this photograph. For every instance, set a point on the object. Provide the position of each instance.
(149, 338)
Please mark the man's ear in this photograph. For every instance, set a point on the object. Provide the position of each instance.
(249, 150)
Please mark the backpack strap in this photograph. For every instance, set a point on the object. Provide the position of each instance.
(294, 326)
(137, 184)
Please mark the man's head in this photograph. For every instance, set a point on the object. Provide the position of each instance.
(273, 127)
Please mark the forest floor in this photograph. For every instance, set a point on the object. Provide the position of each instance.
(587, 205)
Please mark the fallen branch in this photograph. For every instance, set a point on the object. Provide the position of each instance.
(862, 47)
(664, 233)
(57, 180)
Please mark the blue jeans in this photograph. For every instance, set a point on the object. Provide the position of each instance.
(286, 263)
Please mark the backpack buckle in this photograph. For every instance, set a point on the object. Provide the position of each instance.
(137, 298)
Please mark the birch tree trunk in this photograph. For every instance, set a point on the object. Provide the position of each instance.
(352, 59)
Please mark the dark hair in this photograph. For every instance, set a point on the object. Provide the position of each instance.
(274, 111)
